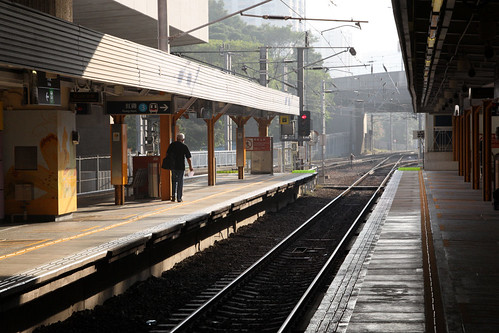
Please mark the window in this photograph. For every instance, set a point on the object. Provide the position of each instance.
(25, 158)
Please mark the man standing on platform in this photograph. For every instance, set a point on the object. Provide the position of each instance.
(179, 151)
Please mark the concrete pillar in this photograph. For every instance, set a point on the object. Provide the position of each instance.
(240, 144)
(119, 161)
(62, 9)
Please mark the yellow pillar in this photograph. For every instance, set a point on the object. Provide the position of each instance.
(240, 144)
(165, 135)
(119, 158)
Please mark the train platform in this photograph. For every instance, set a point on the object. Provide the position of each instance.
(38, 258)
(26, 246)
(388, 283)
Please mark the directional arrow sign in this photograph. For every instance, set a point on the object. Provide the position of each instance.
(163, 108)
(138, 107)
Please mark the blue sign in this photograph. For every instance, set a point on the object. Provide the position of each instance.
(139, 107)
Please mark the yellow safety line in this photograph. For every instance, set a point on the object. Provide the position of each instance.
(90, 232)
(434, 317)
(22, 241)
(91, 228)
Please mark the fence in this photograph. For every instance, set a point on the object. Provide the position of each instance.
(94, 173)
(223, 158)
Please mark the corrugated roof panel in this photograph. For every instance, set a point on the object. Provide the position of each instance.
(31, 39)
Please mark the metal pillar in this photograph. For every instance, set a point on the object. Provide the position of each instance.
(487, 150)
(300, 73)
(475, 147)
(163, 27)
(264, 66)
(323, 132)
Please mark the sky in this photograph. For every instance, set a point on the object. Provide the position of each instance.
(376, 43)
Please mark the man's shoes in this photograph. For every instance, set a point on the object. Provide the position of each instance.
(173, 199)
(179, 200)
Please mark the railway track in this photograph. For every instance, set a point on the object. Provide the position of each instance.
(274, 293)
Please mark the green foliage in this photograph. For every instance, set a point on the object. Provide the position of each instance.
(243, 41)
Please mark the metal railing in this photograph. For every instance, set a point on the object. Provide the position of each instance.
(442, 139)
(93, 174)
(223, 158)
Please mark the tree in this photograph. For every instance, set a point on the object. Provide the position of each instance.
(242, 42)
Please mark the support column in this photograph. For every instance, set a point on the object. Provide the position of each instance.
(163, 26)
(165, 135)
(211, 151)
(119, 158)
(462, 135)
(240, 144)
(467, 151)
(210, 123)
(454, 138)
(263, 125)
(475, 139)
(487, 150)
(458, 143)
(458, 129)
(2, 174)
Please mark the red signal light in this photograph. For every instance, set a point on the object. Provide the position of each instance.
(303, 116)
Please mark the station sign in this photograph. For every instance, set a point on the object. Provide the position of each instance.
(84, 97)
(48, 90)
(258, 143)
(138, 107)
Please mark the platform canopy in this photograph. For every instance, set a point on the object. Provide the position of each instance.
(448, 47)
(36, 41)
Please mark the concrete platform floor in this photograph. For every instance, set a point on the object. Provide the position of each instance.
(25, 246)
(380, 286)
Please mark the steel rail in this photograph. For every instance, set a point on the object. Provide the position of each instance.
(182, 326)
(295, 313)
